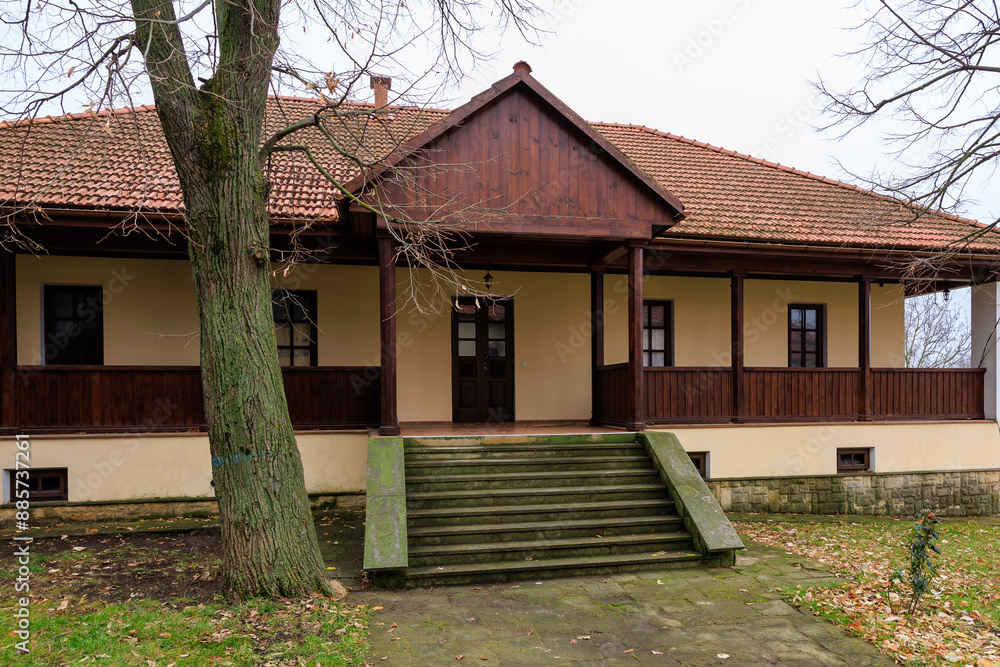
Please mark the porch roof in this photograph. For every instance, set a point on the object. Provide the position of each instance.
(118, 162)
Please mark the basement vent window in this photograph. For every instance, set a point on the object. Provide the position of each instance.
(700, 461)
(854, 460)
(43, 484)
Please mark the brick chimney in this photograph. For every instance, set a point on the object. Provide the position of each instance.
(381, 85)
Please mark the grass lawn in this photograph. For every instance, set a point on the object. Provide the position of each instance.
(957, 623)
(152, 600)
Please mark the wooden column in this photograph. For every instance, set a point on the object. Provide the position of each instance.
(8, 341)
(596, 342)
(737, 346)
(387, 318)
(636, 383)
(865, 348)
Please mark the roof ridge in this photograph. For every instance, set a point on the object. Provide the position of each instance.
(81, 115)
(90, 113)
(787, 169)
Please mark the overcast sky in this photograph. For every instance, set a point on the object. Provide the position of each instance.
(732, 73)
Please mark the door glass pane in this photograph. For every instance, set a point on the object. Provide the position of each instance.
(497, 348)
(285, 357)
(796, 340)
(810, 341)
(658, 359)
(658, 340)
(466, 329)
(498, 331)
(466, 348)
(301, 357)
(811, 318)
(656, 315)
(645, 339)
(497, 313)
(796, 317)
(466, 309)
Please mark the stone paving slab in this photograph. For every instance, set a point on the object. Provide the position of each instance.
(683, 618)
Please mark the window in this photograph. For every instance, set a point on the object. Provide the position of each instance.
(43, 484)
(854, 460)
(657, 333)
(74, 325)
(805, 336)
(700, 461)
(295, 326)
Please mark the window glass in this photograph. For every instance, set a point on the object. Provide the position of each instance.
(657, 333)
(295, 326)
(805, 336)
(74, 325)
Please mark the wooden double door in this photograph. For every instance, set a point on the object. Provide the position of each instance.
(482, 335)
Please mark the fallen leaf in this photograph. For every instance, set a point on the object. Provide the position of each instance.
(721, 656)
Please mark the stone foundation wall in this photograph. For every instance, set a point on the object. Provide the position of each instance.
(134, 510)
(959, 493)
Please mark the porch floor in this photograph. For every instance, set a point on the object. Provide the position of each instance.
(497, 428)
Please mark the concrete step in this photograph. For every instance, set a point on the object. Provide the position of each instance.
(556, 547)
(529, 495)
(502, 514)
(512, 480)
(525, 464)
(528, 530)
(543, 568)
(497, 441)
(519, 450)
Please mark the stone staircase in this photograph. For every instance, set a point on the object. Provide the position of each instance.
(527, 507)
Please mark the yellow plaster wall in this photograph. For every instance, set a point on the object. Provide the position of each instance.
(347, 318)
(888, 328)
(150, 317)
(179, 466)
(811, 449)
(149, 308)
(765, 313)
(551, 349)
(701, 317)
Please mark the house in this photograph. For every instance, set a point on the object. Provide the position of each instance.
(642, 282)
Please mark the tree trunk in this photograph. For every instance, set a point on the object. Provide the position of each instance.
(268, 537)
(269, 541)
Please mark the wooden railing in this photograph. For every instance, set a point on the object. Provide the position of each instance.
(792, 394)
(612, 387)
(918, 393)
(677, 395)
(169, 398)
(327, 396)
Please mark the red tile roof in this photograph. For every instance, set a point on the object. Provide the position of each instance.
(93, 161)
(734, 196)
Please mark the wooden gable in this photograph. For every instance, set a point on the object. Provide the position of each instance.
(515, 160)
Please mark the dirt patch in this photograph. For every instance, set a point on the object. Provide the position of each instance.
(178, 569)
